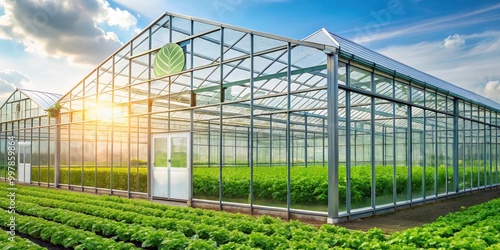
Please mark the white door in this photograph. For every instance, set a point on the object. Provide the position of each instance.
(171, 162)
(24, 162)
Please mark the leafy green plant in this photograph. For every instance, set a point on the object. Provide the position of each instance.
(55, 110)
(75, 220)
(17, 243)
(58, 234)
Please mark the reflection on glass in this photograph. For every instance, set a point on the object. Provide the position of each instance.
(21, 155)
(178, 152)
(27, 154)
(160, 154)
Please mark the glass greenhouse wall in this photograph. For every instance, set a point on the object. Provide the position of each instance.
(319, 126)
(23, 117)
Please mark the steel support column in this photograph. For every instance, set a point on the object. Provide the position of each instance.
(409, 155)
(455, 144)
(394, 157)
(191, 116)
(423, 154)
(446, 149)
(372, 155)
(333, 135)
(484, 151)
(221, 107)
(250, 129)
(436, 152)
(288, 141)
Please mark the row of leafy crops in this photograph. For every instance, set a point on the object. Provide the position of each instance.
(477, 227)
(91, 177)
(308, 185)
(158, 226)
(84, 221)
(17, 243)
(63, 235)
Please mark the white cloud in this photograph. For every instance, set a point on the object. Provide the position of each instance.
(453, 41)
(491, 90)
(14, 78)
(10, 80)
(473, 17)
(64, 28)
(150, 9)
(118, 17)
(48, 74)
(471, 67)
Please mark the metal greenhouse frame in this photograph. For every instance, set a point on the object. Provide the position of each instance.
(257, 123)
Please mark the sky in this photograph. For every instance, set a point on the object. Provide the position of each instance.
(50, 45)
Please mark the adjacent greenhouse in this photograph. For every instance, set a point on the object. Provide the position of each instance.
(220, 116)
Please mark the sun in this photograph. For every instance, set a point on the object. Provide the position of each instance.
(105, 113)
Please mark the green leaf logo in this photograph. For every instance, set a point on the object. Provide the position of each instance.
(169, 60)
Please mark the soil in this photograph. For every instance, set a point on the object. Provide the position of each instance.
(423, 214)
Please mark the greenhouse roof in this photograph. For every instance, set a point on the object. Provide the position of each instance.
(355, 50)
(43, 99)
(306, 62)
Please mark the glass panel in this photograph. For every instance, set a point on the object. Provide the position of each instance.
(27, 154)
(270, 181)
(160, 34)
(178, 152)
(465, 176)
(418, 152)
(476, 151)
(64, 157)
(360, 78)
(205, 179)
(88, 138)
(417, 95)
(270, 73)
(235, 171)
(342, 73)
(360, 170)
(21, 154)
(430, 153)
(402, 163)
(383, 85)
(430, 99)
(160, 153)
(442, 152)
(384, 168)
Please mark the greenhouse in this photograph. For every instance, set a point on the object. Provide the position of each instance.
(233, 119)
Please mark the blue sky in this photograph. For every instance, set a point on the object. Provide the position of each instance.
(52, 44)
